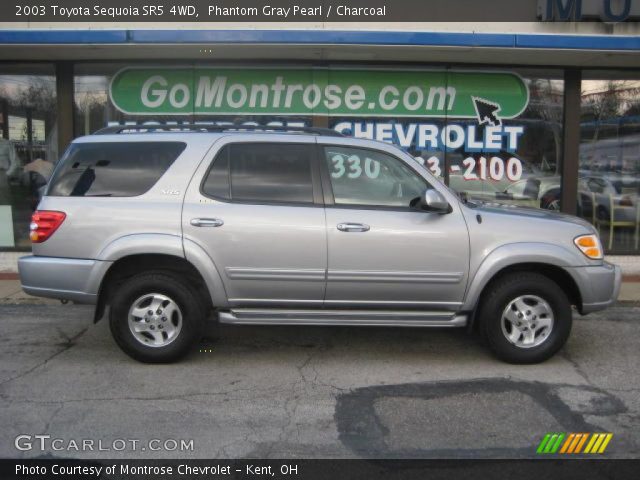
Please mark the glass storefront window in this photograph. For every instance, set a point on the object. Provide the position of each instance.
(94, 108)
(28, 146)
(609, 169)
(508, 150)
(512, 160)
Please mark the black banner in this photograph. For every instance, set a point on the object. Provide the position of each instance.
(268, 11)
(583, 469)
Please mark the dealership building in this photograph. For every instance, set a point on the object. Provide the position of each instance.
(540, 113)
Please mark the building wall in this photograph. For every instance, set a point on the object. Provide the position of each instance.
(579, 146)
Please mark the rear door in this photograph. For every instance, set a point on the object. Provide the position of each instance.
(256, 208)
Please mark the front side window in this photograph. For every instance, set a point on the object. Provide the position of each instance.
(262, 173)
(113, 169)
(371, 178)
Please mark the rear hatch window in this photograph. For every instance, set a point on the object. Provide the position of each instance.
(112, 169)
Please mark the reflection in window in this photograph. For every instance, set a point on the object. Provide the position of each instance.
(521, 167)
(271, 173)
(367, 177)
(609, 166)
(262, 173)
(94, 110)
(113, 169)
(28, 147)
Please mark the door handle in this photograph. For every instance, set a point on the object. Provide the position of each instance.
(353, 227)
(206, 222)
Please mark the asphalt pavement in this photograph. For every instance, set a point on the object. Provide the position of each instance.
(283, 392)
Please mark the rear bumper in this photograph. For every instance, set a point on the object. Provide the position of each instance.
(72, 279)
(599, 286)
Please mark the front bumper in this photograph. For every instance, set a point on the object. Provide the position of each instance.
(72, 279)
(599, 285)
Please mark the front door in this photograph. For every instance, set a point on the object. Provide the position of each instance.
(382, 252)
(257, 211)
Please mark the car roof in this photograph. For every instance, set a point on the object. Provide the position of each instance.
(194, 131)
(323, 136)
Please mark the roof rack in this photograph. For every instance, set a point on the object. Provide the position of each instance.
(195, 127)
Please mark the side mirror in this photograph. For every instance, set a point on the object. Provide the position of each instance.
(432, 201)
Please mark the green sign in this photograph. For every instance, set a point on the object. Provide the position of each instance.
(488, 96)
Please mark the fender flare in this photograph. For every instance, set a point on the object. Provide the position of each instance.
(202, 261)
(141, 244)
(514, 254)
(171, 245)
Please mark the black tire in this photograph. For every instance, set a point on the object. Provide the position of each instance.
(192, 313)
(508, 288)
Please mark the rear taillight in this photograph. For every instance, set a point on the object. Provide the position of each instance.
(44, 223)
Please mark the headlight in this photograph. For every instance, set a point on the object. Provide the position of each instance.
(590, 246)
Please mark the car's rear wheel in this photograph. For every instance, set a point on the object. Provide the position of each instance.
(155, 317)
(525, 317)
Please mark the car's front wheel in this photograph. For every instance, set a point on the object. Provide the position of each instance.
(525, 317)
(155, 318)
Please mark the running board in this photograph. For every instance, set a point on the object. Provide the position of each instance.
(365, 318)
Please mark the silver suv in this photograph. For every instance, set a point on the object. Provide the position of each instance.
(299, 227)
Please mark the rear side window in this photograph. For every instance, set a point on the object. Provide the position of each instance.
(259, 172)
(113, 169)
(217, 182)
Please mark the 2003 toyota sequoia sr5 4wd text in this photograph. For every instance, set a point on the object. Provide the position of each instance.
(299, 227)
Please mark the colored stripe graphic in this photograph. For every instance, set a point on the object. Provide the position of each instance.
(551, 443)
(543, 443)
(596, 446)
(556, 446)
(582, 442)
(572, 443)
(598, 443)
(568, 442)
(605, 442)
(594, 437)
